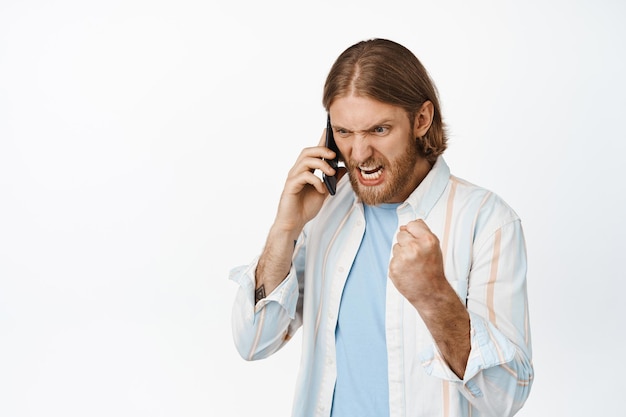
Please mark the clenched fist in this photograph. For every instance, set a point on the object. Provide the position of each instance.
(416, 266)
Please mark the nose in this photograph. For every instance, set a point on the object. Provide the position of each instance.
(361, 148)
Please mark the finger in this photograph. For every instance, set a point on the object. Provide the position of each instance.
(322, 143)
(313, 158)
(308, 178)
(420, 232)
(399, 255)
(316, 152)
(321, 164)
(417, 228)
(310, 164)
(404, 237)
(395, 250)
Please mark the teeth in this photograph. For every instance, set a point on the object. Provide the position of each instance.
(371, 173)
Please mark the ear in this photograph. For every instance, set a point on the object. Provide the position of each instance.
(423, 119)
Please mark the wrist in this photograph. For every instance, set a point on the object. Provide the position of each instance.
(285, 232)
(435, 298)
(259, 293)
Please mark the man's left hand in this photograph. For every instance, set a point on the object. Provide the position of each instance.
(416, 267)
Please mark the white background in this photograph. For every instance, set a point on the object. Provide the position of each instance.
(144, 144)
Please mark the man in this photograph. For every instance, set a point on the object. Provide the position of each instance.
(409, 283)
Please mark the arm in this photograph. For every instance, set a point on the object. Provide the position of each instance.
(301, 200)
(265, 313)
(499, 371)
(262, 328)
(484, 349)
(417, 271)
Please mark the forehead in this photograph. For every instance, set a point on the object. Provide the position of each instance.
(358, 113)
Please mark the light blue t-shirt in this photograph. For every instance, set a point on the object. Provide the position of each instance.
(362, 387)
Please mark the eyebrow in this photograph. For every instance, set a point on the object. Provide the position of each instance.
(383, 122)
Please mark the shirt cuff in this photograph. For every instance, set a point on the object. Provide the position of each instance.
(489, 348)
(285, 294)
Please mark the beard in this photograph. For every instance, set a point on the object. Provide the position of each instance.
(398, 173)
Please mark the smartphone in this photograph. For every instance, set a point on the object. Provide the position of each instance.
(331, 181)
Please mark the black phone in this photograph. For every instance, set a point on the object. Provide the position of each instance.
(331, 181)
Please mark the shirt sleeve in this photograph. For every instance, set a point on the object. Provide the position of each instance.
(499, 371)
(263, 328)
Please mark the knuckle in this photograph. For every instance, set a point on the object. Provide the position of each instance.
(432, 240)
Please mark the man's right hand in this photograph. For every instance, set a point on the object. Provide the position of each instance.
(300, 201)
(304, 192)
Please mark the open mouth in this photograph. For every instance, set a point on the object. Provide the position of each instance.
(371, 172)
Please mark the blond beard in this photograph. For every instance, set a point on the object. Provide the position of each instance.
(397, 173)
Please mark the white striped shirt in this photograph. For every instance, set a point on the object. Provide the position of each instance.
(485, 262)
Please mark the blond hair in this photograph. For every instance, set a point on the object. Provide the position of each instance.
(388, 72)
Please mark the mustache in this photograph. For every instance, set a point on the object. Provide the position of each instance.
(370, 162)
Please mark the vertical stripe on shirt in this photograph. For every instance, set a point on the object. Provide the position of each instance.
(444, 250)
(258, 335)
(492, 278)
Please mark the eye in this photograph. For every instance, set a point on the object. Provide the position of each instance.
(342, 133)
(380, 130)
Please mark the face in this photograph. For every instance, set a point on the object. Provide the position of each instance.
(378, 145)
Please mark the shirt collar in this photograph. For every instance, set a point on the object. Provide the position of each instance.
(425, 196)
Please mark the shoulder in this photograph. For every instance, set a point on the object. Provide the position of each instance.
(484, 199)
(485, 209)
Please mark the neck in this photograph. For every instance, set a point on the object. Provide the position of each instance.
(422, 168)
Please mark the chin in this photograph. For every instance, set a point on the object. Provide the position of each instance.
(372, 196)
